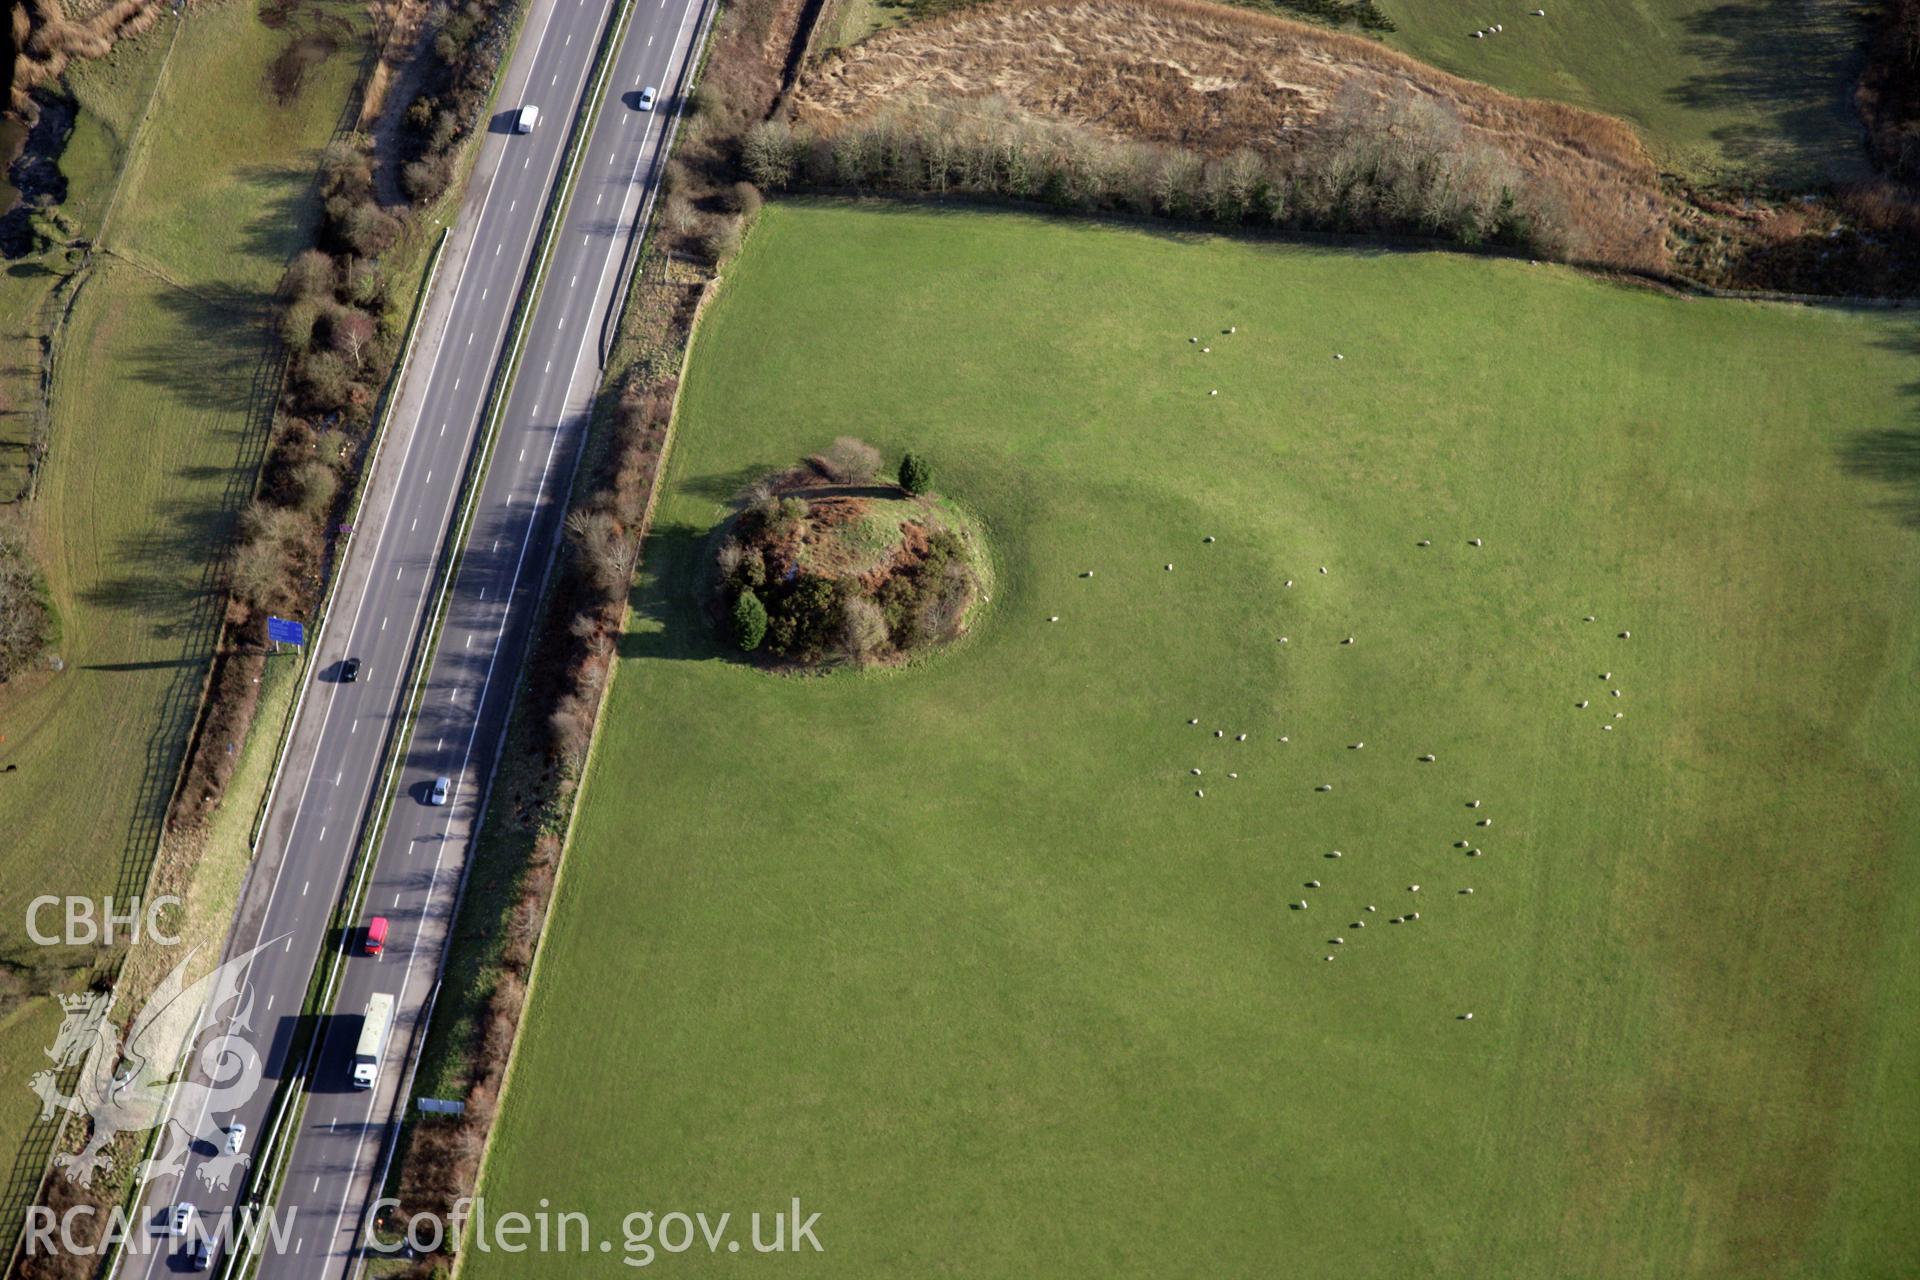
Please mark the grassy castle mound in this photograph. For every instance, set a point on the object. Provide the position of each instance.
(824, 566)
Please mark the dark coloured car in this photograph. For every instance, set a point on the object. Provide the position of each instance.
(350, 670)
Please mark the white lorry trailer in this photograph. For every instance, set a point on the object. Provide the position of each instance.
(373, 1039)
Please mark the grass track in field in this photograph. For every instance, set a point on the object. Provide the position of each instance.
(1718, 89)
(956, 955)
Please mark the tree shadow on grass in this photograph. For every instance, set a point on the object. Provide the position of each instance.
(1788, 75)
(667, 620)
(1890, 456)
(211, 355)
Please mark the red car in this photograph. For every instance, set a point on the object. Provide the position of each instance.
(376, 935)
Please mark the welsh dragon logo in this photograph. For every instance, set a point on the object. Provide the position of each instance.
(124, 1087)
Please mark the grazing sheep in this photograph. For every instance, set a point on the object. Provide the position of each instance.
(1539, 13)
(1582, 704)
(1607, 727)
(1479, 35)
(1323, 568)
(1289, 581)
(1208, 538)
(1413, 915)
(1616, 693)
(1396, 920)
(1325, 786)
(1413, 888)
(1193, 339)
(1338, 356)
(1426, 759)
(1473, 542)
(1473, 804)
(1219, 733)
(1486, 822)
(1333, 853)
(1458, 844)
(1214, 392)
(1348, 640)
(1338, 942)
(1329, 957)
(1626, 635)
(1371, 907)
(1195, 720)
(1606, 675)
(1466, 1017)
(1169, 568)
(1201, 794)
(1241, 738)
(1619, 715)
(1283, 639)
(1196, 773)
(1424, 542)
(1313, 884)
(1467, 891)
(1358, 924)
(1206, 351)
(1233, 775)
(1054, 618)
(1356, 746)
(1300, 905)
(1588, 618)
(1233, 329)
(1283, 737)
(1473, 853)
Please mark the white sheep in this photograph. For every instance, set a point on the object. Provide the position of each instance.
(1473, 542)
(1426, 759)
(1241, 738)
(1325, 786)
(1473, 804)
(1196, 773)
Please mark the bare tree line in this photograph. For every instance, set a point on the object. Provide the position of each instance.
(1399, 166)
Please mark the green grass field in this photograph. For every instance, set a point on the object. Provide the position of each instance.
(957, 956)
(160, 384)
(1719, 90)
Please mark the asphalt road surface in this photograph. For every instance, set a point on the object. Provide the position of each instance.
(334, 769)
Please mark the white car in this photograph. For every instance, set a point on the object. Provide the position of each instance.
(182, 1217)
(236, 1134)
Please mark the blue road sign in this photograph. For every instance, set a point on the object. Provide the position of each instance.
(281, 631)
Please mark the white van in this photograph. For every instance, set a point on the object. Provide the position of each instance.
(529, 117)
